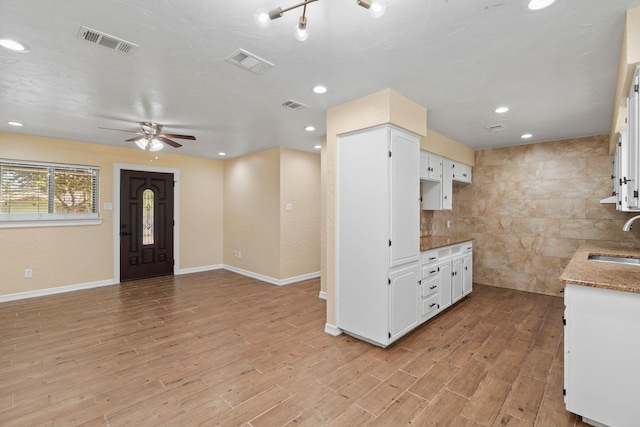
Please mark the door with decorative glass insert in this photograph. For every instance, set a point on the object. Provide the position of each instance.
(146, 224)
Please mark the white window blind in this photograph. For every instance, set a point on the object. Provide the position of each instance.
(46, 191)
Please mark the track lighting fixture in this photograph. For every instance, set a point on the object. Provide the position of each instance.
(263, 17)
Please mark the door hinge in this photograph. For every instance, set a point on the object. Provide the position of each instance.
(174, 183)
(564, 321)
(635, 193)
(389, 334)
(389, 243)
(389, 281)
(564, 391)
(635, 88)
(389, 153)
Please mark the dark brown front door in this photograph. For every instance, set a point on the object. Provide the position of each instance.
(146, 224)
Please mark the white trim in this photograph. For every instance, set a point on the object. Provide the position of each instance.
(322, 295)
(199, 269)
(279, 282)
(332, 329)
(117, 167)
(53, 291)
(48, 222)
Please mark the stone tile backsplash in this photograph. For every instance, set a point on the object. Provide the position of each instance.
(530, 207)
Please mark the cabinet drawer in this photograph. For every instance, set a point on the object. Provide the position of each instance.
(428, 257)
(430, 306)
(430, 286)
(467, 247)
(429, 271)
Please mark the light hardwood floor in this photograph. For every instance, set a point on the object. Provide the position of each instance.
(218, 348)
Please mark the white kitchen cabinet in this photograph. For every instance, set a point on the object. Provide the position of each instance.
(444, 294)
(439, 195)
(461, 173)
(456, 278)
(626, 173)
(601, 348)
(430, 167)
(377, 239)
(467, 268)
(430, 284)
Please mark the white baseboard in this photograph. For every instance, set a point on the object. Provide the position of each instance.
(199, 269)
(71, 288)
(273, 281)
(53, 291)
(322, 295)
(332, 329)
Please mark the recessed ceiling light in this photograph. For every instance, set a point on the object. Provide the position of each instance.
(319, 89)
(309, 128)
(13, 45)
(317, 147)
(16, 123)
(501, 110)
(539, 4)
(222, 153)
(526, 136)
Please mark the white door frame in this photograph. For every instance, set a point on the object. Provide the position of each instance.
(117, 167)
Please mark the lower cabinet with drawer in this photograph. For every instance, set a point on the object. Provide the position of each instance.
(445, 278)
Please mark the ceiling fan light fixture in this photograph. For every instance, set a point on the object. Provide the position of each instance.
(142, 143)
(155, 145)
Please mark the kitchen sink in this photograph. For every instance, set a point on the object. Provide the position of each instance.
(614, 259)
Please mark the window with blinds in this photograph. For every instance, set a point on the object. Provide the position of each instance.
(30, 190)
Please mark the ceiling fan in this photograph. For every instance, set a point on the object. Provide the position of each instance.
(150, 137)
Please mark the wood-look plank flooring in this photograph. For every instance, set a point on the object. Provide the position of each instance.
(217, 348)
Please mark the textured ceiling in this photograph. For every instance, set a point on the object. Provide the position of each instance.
(556, 69)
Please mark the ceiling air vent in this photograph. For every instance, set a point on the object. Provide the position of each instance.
(106, 40)
(294, 105)
(249, 61)
(496, 128)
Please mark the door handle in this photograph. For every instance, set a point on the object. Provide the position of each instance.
(124, 233)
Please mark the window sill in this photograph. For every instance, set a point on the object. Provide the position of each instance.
(15, 221)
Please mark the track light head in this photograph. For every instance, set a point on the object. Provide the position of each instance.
(364, 3)
(301, 33)
(275, 13)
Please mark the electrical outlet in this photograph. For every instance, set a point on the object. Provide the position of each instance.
(28, 273)
(448, 223)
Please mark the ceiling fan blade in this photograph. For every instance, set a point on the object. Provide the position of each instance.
(175, 135)
(120, 130)
(169, 142)
(135, 138)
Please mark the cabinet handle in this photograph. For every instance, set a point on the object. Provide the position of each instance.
(432, 305)
(431, 258)
(466, 268)
(433, 271)
(433, 287)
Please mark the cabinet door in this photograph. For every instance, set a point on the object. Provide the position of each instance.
(404, 191)
(467, 273)
(633, 162)
(404, 297)
(456, 278)
(424, 165)
(445, 284)
(447, 185)
(435, 167)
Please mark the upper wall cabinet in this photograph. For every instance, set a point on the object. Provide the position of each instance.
(461, 173)
(437, 175)
(627, 159)
(430, 167)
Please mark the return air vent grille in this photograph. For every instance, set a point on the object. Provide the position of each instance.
(249, 61)
(496, 128)
(106, 40)
(294, 105)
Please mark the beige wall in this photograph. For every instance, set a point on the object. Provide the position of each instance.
(273, 242)
(300, 227)
(531, 206)
(441, 145)
(384, 107)
(76, 255)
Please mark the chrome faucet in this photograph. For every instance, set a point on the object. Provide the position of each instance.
(627, 225)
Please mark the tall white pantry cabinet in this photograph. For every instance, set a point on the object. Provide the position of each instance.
(378, 238)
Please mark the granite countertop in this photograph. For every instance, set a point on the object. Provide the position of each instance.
(433, 242)
(606, 275)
